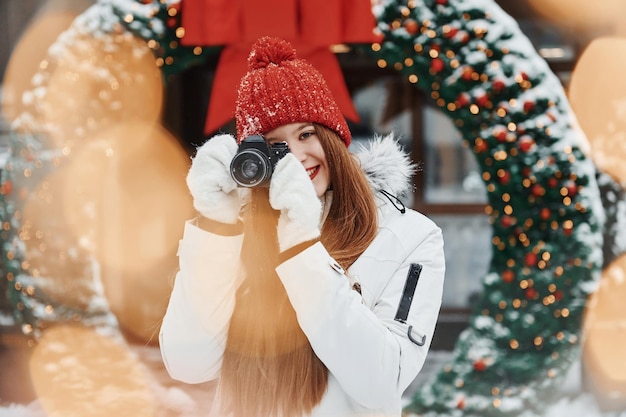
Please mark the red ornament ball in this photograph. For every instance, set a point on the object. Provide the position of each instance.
(437, 65)
(466, 73)
(480, 365)
(482, 100)
(500, 133)
(451, 33)
(6, 188)
(498, 85)
(553, 182)
(531, 293)
(529, 106)
(537, 190)
(572, 188)
(507, 221)
(480, 146)
(463, 100)
(526, 143)
(530, 259)
(568, 230)
(508, 276)
(411, 26)
(460, 404)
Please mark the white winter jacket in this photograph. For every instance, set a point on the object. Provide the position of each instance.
(373, 343)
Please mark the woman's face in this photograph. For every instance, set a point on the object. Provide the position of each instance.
(306, 146)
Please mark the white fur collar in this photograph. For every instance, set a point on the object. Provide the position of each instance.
(387, 166)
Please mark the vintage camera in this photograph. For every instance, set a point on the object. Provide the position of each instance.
(255, 161)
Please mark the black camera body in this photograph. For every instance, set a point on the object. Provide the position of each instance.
(255, 161)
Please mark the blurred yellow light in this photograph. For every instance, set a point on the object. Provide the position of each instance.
(581, 14)
(28, 57)
(596, 94)
(91, 89)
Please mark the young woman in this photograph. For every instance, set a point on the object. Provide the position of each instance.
(318, 294)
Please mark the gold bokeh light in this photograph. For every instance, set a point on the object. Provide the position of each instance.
(605, 334)
(29, 57)
(123, 200)
(596, 93)
(581, 14)
(141, 203)
(100, 82)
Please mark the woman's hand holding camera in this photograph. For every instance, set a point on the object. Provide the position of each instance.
(293, 194)
(213, 190)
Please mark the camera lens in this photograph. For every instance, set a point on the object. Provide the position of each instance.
(250, 168)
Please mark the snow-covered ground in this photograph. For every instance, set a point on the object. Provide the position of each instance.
(172, 399)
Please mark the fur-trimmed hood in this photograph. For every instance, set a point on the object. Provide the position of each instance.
(387, 166)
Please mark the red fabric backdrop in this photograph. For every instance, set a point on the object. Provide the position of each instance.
(310, 25)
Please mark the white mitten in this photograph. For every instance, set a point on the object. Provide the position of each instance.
(292, 192)
(214, 192)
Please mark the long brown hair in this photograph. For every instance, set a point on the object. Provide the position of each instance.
(269, 367)
(352, 221)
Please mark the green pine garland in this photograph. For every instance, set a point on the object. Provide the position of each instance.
(544, 207)
(158, 23)
(41, 263)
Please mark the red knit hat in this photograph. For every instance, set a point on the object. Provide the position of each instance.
(280, 89)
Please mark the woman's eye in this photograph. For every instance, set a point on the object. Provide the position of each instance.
(306, 135)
